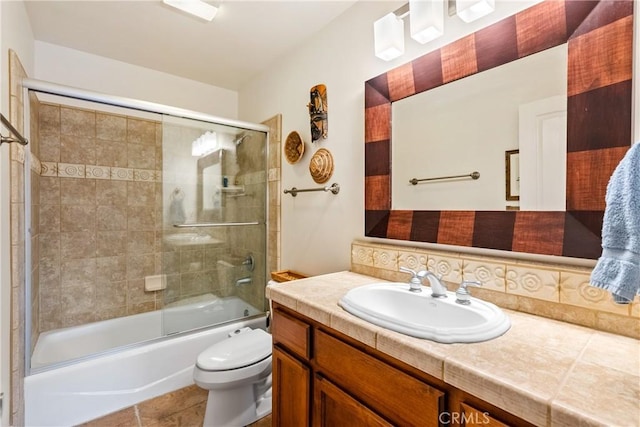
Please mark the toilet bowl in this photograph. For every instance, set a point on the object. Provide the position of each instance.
(237, 373)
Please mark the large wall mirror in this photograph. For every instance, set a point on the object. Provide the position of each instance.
(582, 51)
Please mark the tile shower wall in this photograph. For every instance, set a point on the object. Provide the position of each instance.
(98, 205)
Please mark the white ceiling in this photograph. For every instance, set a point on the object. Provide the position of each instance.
(245, 37)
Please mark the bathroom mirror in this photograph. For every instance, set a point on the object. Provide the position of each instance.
(467, 125)
(599, 69)
(210, 181)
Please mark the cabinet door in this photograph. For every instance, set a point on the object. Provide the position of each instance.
(399, 397)
(291, 391)
(332, 407)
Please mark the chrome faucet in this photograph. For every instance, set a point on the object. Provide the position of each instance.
(415, 283)
(463, 296)
(438, 289)
(244, 281)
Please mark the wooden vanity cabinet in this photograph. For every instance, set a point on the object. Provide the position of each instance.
(324, 378)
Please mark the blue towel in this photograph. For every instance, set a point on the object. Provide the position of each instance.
(618, 269)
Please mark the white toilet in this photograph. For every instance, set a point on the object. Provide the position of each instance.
(237, 373)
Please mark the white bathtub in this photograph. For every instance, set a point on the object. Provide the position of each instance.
(98, 385)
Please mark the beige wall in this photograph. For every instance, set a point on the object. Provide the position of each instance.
(113, 77)
(318, 228)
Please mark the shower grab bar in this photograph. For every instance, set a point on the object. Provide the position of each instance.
(216, 224)
(334, 188)
(472, 175)
(9, 139)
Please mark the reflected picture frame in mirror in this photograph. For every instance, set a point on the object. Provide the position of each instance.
(599, 35)
(512, 175)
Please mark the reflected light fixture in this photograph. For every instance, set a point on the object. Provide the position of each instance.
(205, 144)
(426, 19)
(471, 10)
(388, 35)
(197, 8)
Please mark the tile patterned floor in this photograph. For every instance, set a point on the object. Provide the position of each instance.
(181, 408)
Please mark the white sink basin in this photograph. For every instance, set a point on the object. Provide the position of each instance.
(393, 306)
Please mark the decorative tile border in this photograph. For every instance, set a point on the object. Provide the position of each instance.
(554, 289)
(68, 170)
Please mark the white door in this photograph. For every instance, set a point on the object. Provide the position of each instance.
(543, 154)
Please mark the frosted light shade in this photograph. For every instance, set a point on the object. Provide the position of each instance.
(426, 19)
(470, 10)
(194, 7)
(388, 34)
(205, 144)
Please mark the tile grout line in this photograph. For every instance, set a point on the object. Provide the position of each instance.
(136, 411)
(565, 379)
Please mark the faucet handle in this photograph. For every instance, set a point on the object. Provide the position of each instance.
(415, 283)
(463, 296)
(414, 274)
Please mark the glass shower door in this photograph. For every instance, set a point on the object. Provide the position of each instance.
(214, 194)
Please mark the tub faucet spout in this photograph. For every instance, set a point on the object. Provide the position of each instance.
(244, 281)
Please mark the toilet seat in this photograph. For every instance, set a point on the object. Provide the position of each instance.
(239, 351)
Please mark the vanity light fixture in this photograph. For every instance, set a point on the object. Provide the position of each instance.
(471, 10)
(205, 144)
(388, 35)
(426, 19)
(197, 8)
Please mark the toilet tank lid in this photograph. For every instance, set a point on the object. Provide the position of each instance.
(236, 352)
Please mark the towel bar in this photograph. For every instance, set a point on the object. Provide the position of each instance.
(334, 188)
(9, 139)
(216, 224)
(472, 175)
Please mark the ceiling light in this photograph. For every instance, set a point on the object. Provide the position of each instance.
(426, 19)
(388, 33)
(470, 10)
(194, 7)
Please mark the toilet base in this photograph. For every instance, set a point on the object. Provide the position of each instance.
(237, 407)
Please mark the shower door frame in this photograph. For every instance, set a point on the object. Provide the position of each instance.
(40, 86)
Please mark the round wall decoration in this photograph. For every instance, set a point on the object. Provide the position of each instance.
(293, 147)
(321, 166)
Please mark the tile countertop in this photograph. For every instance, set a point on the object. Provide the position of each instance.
(547, 372)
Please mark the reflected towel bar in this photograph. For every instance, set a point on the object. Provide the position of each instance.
(216, 224)
(334, 188)
(472, 175)
(9, 139)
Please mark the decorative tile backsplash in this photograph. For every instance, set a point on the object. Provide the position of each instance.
(545, 289)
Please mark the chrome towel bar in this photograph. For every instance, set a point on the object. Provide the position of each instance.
(334, 188)
(216, 224)
(16, 135)
(472, 175)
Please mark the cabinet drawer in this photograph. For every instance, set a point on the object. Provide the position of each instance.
(397, 396)
(291, 333)
(470, 416)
